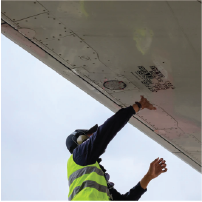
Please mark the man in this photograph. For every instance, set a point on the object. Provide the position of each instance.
(87, 178)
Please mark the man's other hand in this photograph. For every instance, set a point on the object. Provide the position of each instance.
(157, 167)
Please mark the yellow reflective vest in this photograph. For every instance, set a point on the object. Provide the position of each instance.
(86, 183)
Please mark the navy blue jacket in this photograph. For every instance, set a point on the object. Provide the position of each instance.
(89, 151)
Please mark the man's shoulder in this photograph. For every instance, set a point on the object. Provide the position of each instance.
(79, 155)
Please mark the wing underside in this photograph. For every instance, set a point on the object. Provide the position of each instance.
(116, 51)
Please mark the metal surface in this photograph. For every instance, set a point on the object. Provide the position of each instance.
(154, 48)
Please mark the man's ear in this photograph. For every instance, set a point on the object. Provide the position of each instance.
(81, 138)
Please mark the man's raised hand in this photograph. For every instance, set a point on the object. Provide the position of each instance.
(146, 104)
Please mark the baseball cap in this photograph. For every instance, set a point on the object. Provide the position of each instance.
(71, 141)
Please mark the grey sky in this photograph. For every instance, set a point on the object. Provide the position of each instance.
(40, 109)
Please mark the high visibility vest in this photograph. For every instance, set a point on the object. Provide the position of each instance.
(86, 183)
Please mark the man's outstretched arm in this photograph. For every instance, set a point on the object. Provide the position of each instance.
(113, 125)
(88, 152)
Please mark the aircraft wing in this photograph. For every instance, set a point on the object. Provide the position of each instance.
(116, 51)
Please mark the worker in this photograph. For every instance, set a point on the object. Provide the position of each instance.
(88, 180)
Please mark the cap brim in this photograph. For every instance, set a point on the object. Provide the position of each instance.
(92, 130)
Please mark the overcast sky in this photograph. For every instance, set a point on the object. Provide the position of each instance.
(39, 109)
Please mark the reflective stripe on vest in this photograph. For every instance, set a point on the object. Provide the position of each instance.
(83, 171)
(91, 184)
(86, 182)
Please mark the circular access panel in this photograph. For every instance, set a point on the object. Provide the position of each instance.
(114, 85)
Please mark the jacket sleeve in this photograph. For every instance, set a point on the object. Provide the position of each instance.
(133, 195)
(89, 151)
